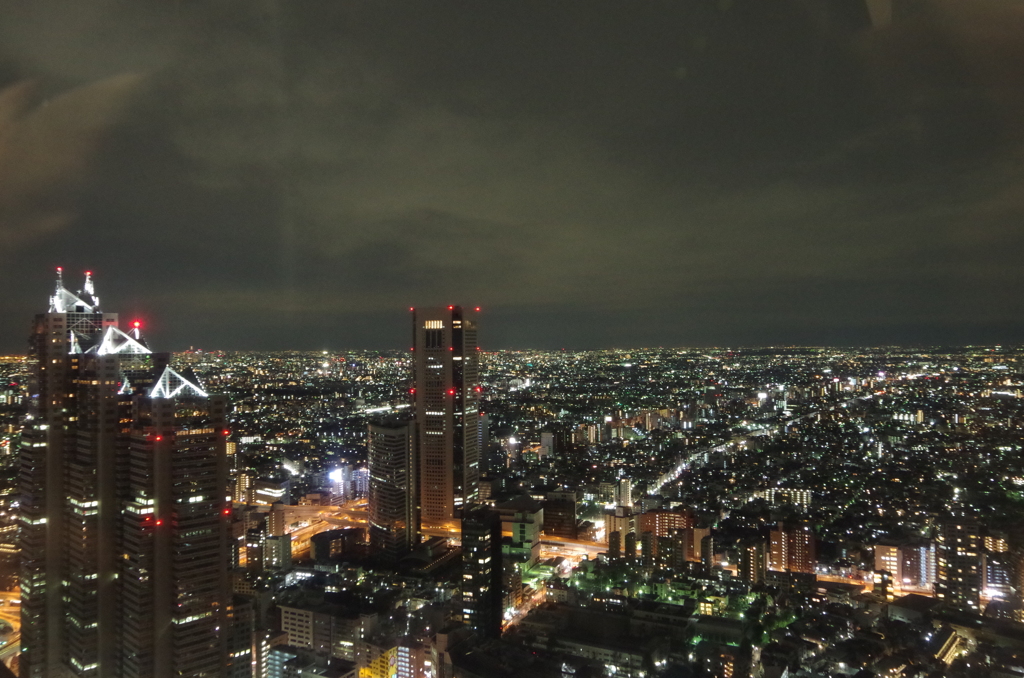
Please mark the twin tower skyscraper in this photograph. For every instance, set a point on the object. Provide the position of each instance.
(124, 522)
(425, 471)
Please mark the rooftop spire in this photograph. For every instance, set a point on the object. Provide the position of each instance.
(64, 301)
(88, 292)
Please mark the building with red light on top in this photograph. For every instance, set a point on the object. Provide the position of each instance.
(446, 397)
(124, 539)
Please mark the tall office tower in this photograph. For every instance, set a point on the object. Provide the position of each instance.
(793, 549)
(175, 590)
(482, 570)
(446, 396)
(393, 522)
(45, 445)
(123, 480)
(961, 562)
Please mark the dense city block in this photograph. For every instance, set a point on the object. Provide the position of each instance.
(661, 512)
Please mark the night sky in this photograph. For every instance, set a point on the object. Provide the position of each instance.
(296, 174)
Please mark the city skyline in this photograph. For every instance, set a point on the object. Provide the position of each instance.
(534, 339)
(393, 316)
(141, 321)
(734, 172)
(643, 512)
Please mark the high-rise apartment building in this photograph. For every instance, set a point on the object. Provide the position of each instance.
(753, 561)
(674, 538)
(662, 522)
(446, 394)
(124, 522)
(392, 506)
(624, 493)
(961, 562)
(792, 549)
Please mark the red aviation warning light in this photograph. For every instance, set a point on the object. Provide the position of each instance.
(159, 438)
(451, 391)
(227, 432)
(451, 308)
(137, 324)
(159, 522)
(477, 309)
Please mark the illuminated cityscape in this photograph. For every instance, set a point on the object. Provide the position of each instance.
(604, 339)
(816, 511)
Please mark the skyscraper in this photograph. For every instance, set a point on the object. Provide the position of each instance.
(393, 522)
(175, 525)
(45, 444)
(482, 570)
(124, 536)
(446, 394)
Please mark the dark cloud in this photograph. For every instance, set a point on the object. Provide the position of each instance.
(45, 153)
(660, 173)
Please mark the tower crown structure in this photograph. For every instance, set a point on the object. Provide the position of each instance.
(64, 301)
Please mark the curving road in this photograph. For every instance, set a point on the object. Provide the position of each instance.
(11, 614)
(702, 455)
